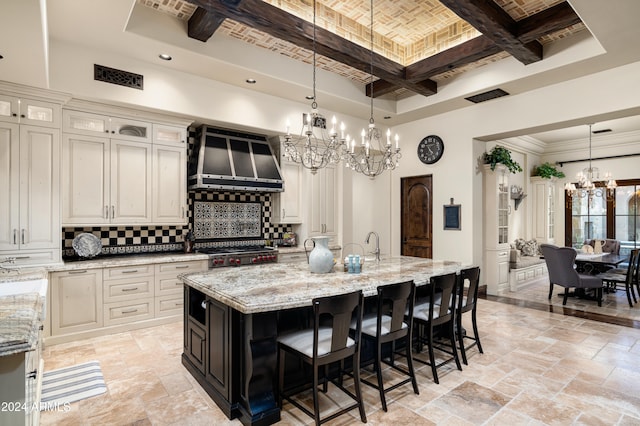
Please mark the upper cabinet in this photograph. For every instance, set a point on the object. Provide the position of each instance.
(323, 213)
(29, 194)
(115, 174)
(86, 123)
(287, 205)
(29, 111)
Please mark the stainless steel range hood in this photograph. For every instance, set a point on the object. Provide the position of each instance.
(231, 160)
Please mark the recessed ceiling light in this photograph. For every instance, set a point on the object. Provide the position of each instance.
(251, 80)
(165, 56)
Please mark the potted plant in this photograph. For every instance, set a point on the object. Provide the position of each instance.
(547, 171)
(502, 155)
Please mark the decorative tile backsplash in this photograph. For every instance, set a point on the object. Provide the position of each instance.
(227, 220)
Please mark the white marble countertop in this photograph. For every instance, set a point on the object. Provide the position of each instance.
(272, 287)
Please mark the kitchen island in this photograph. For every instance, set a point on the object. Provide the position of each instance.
(232, 318)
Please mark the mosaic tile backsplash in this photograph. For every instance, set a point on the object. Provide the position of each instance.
(227, 220)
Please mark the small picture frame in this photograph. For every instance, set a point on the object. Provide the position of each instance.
(452, 216)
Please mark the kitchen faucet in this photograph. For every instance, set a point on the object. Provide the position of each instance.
(377, 251)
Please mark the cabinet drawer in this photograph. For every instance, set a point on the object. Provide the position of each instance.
(169, 305)
(31, 258)
(173, 269)
(168, 285)
(128, 289)
(130, 311)
(128, 272)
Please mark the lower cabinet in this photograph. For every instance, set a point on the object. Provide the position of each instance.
(76, 301)
(93, 301)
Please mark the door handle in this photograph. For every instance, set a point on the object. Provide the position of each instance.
(15, 236)
(23, 236)
(113, 212)
(106, 212)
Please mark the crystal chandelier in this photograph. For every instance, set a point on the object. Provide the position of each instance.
(315, 148)
(586, 185)
(372, 156)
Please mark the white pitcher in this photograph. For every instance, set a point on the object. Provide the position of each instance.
(597, 247)
(320, 258)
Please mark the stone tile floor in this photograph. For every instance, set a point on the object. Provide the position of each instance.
(538, 367)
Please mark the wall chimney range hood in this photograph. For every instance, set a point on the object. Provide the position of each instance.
(233, 161)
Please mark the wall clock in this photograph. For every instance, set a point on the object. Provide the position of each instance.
(430, 149)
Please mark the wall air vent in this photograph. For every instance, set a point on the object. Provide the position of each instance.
(119, 77)
(487, 96)
(595, 132)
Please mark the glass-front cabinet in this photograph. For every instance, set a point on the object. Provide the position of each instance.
(496, 228)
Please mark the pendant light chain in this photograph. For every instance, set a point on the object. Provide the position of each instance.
(371, 68)
(314, 104)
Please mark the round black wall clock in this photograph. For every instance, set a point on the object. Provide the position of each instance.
(430, 149)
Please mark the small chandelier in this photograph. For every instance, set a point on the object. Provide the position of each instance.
(315, 148)
(586, 185)
(372, 157)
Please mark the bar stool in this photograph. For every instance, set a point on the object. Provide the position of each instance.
(441, 313)
(388, 325)
(328, 342)
(467, 303)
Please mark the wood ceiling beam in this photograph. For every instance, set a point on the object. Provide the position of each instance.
(284, 26)
(548, 21)
(203, 24)
(496, 24)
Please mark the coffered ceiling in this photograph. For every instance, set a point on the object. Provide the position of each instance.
(417, 44)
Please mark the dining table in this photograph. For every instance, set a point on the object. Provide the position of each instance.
(589, 263)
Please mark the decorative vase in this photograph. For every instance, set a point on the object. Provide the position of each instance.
(320, 258)
(597, 249)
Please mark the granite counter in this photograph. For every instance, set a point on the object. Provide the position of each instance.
(273, 287)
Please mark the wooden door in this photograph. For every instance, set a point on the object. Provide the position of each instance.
(417, 216)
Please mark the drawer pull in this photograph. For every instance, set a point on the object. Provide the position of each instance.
(182, 267)
(21, 257)
(33, 374)
(131, 271)
(130, 311)
(179, 304)
(84, 271)
(130, 289)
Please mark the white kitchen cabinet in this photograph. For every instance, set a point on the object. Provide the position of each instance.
(105, 181)
(169, 135)
(169, 293)
(86, 123)
(496, 228)
(76, 301)
(287, 205)
(29, 111)
(543, 209)
(323, 214)
(169, 184)
(29, 193)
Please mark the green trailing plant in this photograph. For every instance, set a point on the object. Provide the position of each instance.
(547, 171)
(501, 155)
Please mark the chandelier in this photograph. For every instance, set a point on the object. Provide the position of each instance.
(315, 148)
(586, 186)
(372, 157)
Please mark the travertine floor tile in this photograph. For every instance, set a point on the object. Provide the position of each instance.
(538, 368)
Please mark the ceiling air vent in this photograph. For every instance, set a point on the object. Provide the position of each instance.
(119, 77)
(487, 96)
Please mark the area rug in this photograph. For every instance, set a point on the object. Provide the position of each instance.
(72, 384)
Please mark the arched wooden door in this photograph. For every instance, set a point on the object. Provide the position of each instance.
(417, 216)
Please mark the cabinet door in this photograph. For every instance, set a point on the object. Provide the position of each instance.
(39, 187)
(323, 214)
(9, 186)
(288, 204)
(169, 184)
(130, 182)
(9, 109)
(169, 135)
(85, 184)
(85, 123)
(218, 347)
(76, 301)
(124, 128)
(39, 113)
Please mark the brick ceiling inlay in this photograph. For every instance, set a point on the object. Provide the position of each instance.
(405, 31)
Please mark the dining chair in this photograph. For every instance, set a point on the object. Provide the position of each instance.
(628, 279)
(387, 326)
(561, 266)
(467, 302)
(328, 342)
(437, 311)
